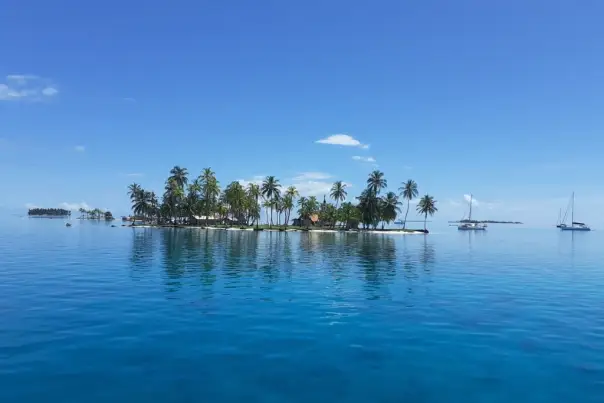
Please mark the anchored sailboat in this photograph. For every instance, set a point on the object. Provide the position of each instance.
(470, 225)
(562, 219)
(575, 225)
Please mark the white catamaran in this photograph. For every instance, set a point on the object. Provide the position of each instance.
(469, 225)
(575, 225)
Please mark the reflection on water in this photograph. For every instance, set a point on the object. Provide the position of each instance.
(166, 315)
(195, 257)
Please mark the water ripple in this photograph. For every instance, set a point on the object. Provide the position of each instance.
(99, 314)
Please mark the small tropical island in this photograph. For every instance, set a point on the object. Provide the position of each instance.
(200, 201)
(48, 212)
(95, 214)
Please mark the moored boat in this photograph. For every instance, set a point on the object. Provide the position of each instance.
(574, 225)
(469, 224)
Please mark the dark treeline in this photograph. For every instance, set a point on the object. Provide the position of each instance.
(188, 200)
(55, 212)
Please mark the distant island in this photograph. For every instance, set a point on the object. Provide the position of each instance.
(95, 214)
(484, 222)
(48, 212)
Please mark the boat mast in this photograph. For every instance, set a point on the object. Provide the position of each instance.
(559, 217)
(470, 217)
(572, 211)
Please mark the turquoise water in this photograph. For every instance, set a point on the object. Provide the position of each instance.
(99, 314)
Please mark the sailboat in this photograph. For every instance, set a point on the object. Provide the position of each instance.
(575, 225)
(562, 219)
(469, 225)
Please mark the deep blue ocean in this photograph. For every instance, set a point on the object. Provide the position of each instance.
(99, 314)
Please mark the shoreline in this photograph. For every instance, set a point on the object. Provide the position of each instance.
(318, 230)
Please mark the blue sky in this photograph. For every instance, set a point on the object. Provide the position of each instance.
(501, 99)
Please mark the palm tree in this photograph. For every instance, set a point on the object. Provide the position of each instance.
(338, 192)
(253, 192)
(348, 213)
(268, 204)
(192, 199)
(235, 198)
(173, 197)
(179, 176)
(376, 182)
(288, 205)
(271, 189)
(278, 203)
(292, 192)
(210, 190)
(389, 208)
(409, 192)
(427, 205)
(134, 191)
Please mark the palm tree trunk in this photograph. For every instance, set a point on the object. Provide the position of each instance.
(425, 219)
(271, 221)
(407, 212)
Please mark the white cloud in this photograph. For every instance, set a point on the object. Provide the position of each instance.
(80, 149)
(135, 174)
(343, 140)
(313, 188)
(363, 159)
(256, 179)
(21, 79)
(305, 176)
(307, 183)
(50, 91)
(75, 206)
(314, 184)
(467, 198)
(25, 87)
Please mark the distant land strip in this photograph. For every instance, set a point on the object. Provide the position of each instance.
(484, 222)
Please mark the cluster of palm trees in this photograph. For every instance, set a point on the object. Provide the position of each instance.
(185, 201)
(375, 209)
(95, 214)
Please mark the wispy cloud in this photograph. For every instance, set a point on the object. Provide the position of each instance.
(256, 179)
(314, 183)
(310, 183)
(135, 174)
(75, 206)
(30, 205)
(26, 87)
(304, 176)
(482, 204)
(363, 159)
(342, 140)
(467, 198)
(80, 149)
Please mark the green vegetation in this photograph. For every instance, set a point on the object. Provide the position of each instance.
(50, 212)
(95, 214)
(202, 202)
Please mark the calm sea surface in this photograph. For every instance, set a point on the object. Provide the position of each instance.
(99, 314)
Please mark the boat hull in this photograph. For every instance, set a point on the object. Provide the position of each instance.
(584, 229)
(471, 229)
